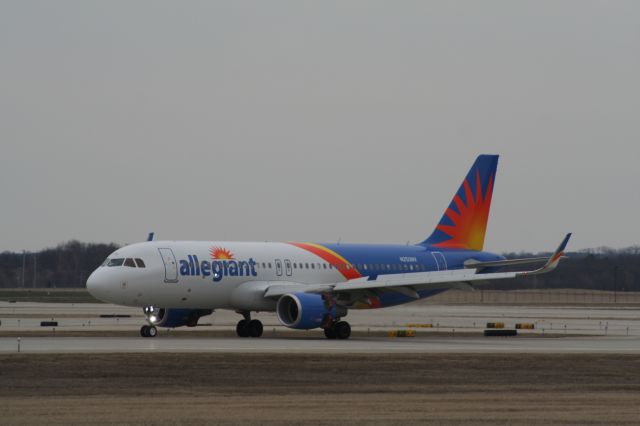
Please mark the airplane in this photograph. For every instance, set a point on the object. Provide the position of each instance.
(311, 285)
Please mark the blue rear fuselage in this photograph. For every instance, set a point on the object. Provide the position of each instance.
(372, 260)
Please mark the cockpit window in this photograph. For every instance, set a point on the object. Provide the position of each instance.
(116, 262)
(129, 262)
(139, 262)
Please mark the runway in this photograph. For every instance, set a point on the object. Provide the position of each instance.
(583, 320)
(618, 345)
(83, 328)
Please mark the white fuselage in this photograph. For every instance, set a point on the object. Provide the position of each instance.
(185, 274)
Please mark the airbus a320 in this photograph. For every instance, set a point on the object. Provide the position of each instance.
(310, 285)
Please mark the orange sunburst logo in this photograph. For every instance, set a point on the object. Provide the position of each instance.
(470, 221)
(220, 253)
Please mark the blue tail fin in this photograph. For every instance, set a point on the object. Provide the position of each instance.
(464, 223)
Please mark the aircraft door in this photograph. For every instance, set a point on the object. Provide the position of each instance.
(287, 267)
(440, 260)
(170, 265)
(278, 267)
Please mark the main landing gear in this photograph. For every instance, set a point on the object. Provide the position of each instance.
(338, 330)
(247, 327)
(148, 331)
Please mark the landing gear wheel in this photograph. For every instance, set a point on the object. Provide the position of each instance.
(329, 333)
(193, 321)
(242, 329)
(342, 330)
(254, 328)
(148, 331)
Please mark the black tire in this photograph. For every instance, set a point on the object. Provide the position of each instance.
(152, 331)
(255, 328)
(242, 329)
(329, 333)
(192, 321)
(144, 331)
(342, 330)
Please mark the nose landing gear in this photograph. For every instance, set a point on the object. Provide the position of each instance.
(148, 331)
(247, 327)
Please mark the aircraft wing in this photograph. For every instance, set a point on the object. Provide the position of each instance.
(278, 288)
(409, 284)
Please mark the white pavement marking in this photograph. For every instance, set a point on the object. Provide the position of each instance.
(321, 345)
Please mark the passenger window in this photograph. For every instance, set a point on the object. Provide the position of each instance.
(324, 266)
(313, 266)
(116, 262)
(139, 263)
(269, 265)
(306, 266)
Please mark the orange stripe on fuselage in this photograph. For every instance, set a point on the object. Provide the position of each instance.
(331, 257)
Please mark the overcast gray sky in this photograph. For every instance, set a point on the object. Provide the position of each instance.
(299, 120)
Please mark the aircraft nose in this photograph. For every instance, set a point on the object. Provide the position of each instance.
(97, 285)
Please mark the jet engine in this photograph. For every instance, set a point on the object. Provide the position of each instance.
(308, 310)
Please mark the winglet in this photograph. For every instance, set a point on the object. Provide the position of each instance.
(553, 260)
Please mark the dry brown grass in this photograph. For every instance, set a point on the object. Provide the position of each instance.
(319, 389)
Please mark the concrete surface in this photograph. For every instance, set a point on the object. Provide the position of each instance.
(321, 345)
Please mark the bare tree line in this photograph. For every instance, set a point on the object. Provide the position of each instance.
(69, 264)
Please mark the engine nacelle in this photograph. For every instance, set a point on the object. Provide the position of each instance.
(307, 310)
(172, 318)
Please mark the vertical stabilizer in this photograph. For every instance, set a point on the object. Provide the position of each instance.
(464, 222)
